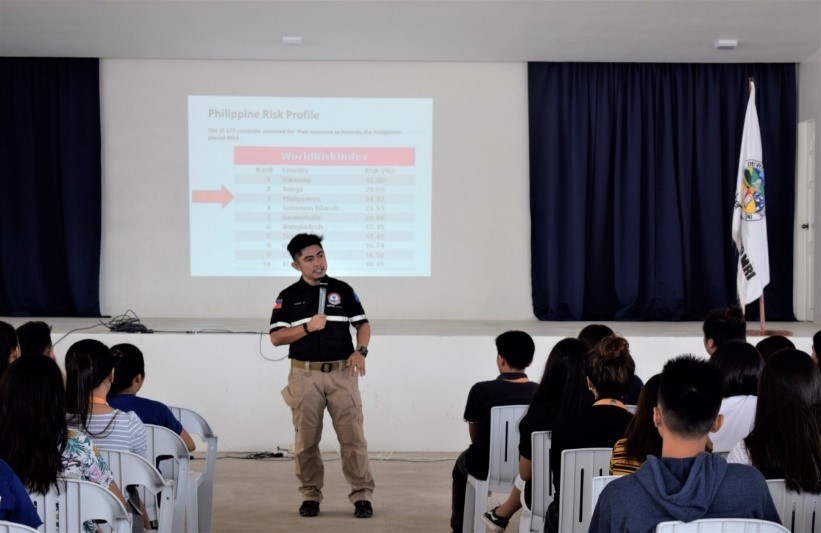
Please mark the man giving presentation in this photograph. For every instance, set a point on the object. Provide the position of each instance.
(313, 316)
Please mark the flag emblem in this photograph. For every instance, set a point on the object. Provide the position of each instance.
(278, 304)
(752, 195)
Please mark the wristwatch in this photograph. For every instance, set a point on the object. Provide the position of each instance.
(363, 350)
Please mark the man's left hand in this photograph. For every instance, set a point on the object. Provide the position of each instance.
(356, 364)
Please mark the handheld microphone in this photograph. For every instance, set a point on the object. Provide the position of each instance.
(323, 293)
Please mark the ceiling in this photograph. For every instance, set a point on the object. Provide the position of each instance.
(414, 30)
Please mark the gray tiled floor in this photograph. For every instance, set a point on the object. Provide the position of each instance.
(412, 494)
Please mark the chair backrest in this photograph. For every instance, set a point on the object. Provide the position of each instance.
(579, 467)
(165, 445)
(131, 469)
(541, 479)
(799, 512)
(599, 482)
(14, 527)
(77, 502)
(631, 408)
(721, 525)
(504, 446)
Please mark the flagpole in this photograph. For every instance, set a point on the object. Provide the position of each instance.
(762, 319)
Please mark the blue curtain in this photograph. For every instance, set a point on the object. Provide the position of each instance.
(632, 176)
(50, 179)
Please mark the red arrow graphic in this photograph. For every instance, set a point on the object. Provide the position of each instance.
(222, 196)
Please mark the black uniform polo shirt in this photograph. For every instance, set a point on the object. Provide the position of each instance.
(299, 302)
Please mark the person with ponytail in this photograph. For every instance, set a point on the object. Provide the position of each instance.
(36, 442)
(786, 438)
(129, 376)
(89, 375)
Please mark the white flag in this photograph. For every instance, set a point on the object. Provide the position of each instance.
(749, 221)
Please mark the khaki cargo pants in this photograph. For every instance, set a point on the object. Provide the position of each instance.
(308, 393)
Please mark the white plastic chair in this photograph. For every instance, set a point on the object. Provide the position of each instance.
(167, 445)
(799, 512)
(503, 466)
(579, 467)
(631, 408)
(131, 469)
(77, 502)
(541, 484)
(599, 482)
(721, 525)
(14, 527)
(201, 491)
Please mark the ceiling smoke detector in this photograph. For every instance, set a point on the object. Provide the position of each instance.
(726, 44)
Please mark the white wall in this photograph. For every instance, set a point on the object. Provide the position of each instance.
(809, 107)
(481, 221)
(413, 395)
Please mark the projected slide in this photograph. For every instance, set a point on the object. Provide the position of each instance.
(356, 170)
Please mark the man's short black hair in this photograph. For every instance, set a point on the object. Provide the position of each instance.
(592, 334)
(517, 348)
(741, 365)
(725, 324)
(34, 338)
(690, 395)
(302, 241)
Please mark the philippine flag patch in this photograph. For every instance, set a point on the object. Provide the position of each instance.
(278, 304)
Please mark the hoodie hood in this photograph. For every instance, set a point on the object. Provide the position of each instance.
(685, 488)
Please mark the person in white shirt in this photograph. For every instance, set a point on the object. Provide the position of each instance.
(741, 364)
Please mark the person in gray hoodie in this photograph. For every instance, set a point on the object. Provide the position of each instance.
(685, 483)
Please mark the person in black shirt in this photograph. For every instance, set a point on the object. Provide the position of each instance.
(313, 316)
(515, 351)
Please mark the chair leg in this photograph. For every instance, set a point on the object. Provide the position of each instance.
(467, 513)
(191, 509)
(476, 494)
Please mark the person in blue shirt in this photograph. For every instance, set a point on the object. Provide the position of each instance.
(129, 376)
(685, 483)
(15, 503)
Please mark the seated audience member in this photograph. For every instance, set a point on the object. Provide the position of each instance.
(609, 369)
(785, 442)
(769, 345)
(15, 503)
(9, 347)
(641, 438)
(129, 375)
(685, 483)
(741, 365)
(515, 351)
(723, 325)
(89, 375)
(591, 335)
(36, 442)
(35, 339)
(816, 345)
(562, 390)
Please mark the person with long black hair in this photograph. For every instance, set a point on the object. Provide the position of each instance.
(562, 390)
(641, 438)
(36, 442)
(741, 365)
(609, 370)
(89, 375)
(786, 438)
